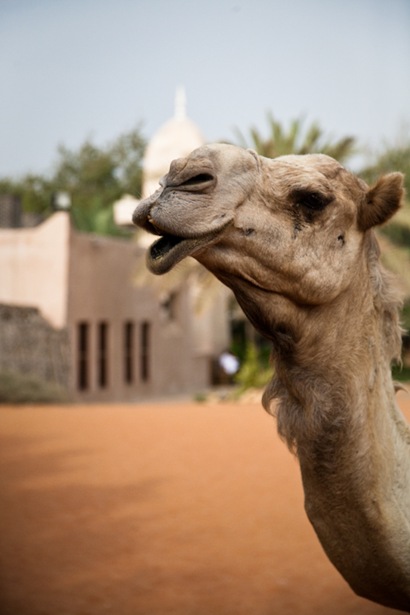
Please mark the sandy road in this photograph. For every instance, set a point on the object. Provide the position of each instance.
(170, 509)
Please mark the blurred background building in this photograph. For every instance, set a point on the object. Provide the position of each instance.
(72, 313)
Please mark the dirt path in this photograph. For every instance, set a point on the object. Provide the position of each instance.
(177, 509)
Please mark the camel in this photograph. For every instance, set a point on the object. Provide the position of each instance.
(293, 238)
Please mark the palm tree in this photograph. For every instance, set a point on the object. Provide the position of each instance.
(296, 140)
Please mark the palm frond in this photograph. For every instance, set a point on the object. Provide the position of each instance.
(295, 139)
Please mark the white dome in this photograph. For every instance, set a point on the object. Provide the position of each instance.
(123, 210)
(175, 139)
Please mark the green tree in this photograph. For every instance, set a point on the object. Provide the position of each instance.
(127, 153)
(296, 139)
(34, 191)
(392, 158)
(94, 177)
(255, 370)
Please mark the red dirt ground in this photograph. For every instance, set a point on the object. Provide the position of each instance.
(158, 509)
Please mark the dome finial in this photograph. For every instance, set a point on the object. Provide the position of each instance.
(180, 103)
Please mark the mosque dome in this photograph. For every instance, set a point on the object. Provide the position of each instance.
(174, 139)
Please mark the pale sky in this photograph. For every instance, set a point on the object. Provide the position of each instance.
(77, 69)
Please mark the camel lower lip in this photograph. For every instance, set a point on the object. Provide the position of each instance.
(169, 250)
(164, 245)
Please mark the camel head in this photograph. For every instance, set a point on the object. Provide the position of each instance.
(293, 226)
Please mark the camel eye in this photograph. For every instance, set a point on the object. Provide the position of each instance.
(311, 200)
(314, 201)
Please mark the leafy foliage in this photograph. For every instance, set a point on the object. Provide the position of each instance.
(254, 372)
(393, 158)
(16, 388)
(398, 233)
(35, 192)
(406, 316)
(93, 177)
(401, 373)
(296, 139)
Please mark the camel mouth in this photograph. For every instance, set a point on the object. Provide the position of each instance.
(169, 250)
(163, 253)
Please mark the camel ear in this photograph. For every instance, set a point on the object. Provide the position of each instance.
(382, 201)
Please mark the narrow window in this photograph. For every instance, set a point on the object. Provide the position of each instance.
(145, 351)
(102, 354)
(82, 357)
(129, 352)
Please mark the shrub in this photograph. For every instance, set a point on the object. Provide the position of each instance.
(16, 388)
(255, 372)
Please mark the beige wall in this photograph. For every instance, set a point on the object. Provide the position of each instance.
(212, 329)
(84, 282)
(102, 291)
(34, 267)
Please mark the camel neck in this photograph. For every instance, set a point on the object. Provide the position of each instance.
(355, 471)
(336, 408)
(334, 386)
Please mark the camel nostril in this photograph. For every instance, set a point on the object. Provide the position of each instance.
(152, 227)
(201, 178)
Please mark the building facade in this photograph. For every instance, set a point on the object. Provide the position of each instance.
(121, 341)
(124, 341)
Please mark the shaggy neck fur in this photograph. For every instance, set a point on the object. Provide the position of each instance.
(336, 409)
